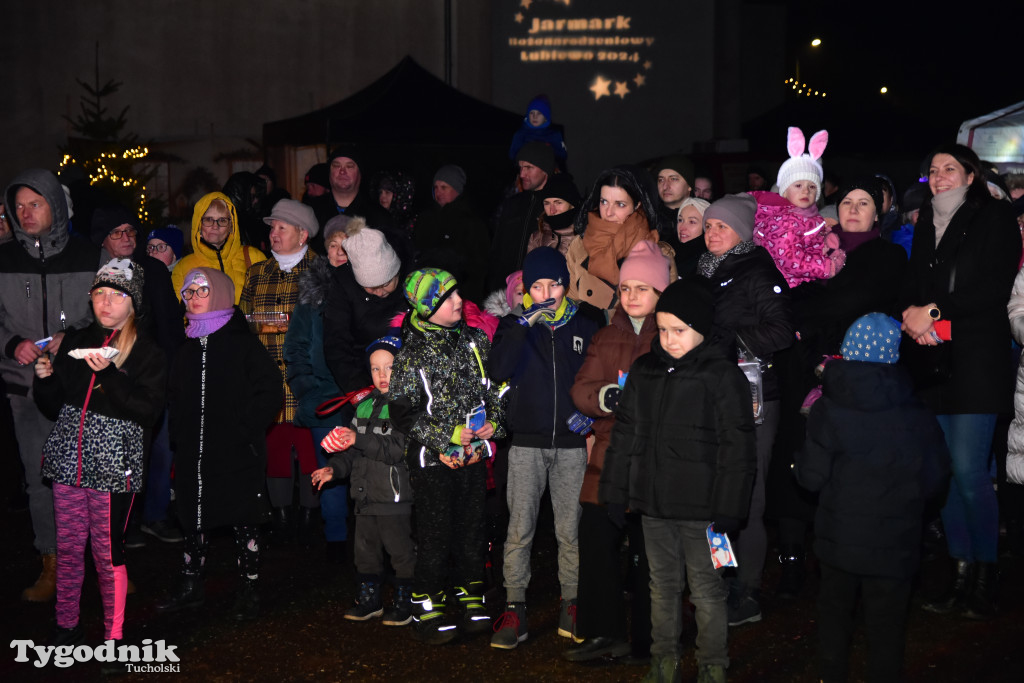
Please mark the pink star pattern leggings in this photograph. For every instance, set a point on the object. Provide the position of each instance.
(82, 515)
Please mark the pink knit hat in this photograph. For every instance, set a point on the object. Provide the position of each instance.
(511, 283)
(647, 264)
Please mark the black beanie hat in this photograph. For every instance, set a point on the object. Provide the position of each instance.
(545, 263)
(689, 300)
(560, 186)
(350, 151)
(678, 163)
(873, 186)
(539, 154)
(106, 218)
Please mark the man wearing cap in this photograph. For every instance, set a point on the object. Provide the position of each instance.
(45, 275)
(451, 236)
(517, 216)
(345, 173)
(317, 182)
(270, 293)
(115, 230)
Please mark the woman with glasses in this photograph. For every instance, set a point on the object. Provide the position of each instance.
(224, 390)
(216, 243)
(105, 387)
(165, 245)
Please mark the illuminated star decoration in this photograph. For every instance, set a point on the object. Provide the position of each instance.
(525, 4)
(519, 17)
(600, 88)
(639, 80)
(620, 89)
(647, 65)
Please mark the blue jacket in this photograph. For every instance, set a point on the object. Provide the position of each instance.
(540, 363)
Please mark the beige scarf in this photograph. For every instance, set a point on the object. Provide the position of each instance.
(944, 206)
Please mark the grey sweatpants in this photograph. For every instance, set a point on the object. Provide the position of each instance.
(32, 430)
(529, 471)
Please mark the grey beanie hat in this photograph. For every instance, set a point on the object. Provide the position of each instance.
(294, 213)
(373, 260)
(453, 175)
(736, 211)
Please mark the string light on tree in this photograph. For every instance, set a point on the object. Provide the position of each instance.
(803, 88)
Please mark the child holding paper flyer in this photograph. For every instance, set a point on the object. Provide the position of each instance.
(684, 397)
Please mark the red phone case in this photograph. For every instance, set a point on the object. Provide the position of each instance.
(942, 329)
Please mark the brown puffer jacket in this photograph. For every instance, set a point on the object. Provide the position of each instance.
(612, 348)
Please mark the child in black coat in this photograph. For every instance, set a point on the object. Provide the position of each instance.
(877, 455)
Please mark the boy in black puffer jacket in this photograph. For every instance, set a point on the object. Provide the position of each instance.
(371, 454)
(877, 455)
(682, 454)
(539, 351)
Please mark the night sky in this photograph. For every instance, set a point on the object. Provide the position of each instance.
(940, 69)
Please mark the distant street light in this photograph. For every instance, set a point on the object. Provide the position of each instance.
(884, 90)
(816, 42)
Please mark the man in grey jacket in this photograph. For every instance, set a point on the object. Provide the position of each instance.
(45, 275)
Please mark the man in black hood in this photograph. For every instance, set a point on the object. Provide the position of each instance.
(45, 276)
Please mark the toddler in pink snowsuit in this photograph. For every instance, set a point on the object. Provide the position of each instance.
(788, 224)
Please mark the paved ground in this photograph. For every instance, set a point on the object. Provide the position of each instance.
(301, 635)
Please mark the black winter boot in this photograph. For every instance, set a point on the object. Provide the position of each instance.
(368, 603)
(954, 598)
(188, 593)
(428, 611)
(474, 617)
(400, 612)
(981, 597)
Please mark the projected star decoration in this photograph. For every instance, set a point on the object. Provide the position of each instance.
(525, 4)
(621, 89)
(639, 80)
(600, 88)
(519, 17)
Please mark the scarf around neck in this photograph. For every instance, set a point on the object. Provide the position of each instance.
(848, 241)
(288, 261)
(944, 206)
(708, 262)
(608, 243)
(203, 324)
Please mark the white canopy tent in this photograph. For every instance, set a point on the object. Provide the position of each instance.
(997, 137)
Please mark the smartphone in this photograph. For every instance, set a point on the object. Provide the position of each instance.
(942, 330)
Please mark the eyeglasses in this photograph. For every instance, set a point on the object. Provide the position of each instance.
(150, 248)
(209, 221)
(129, 232)
(109, 295)
(201, 292)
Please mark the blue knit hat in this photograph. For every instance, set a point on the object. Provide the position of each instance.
(545, 263)
(172, 235)
(873, 338)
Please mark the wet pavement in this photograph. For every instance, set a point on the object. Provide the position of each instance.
(301, 634)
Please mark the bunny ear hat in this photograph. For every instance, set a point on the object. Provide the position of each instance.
(801, 166)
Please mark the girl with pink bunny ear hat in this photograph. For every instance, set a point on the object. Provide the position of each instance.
(788, 224)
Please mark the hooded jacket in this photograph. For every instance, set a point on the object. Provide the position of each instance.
(44, 282)
(877, 455)
(683, 442)
(233, 259)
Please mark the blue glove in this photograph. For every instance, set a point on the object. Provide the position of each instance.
(579, 423)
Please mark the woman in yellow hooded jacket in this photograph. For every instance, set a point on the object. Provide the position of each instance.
(216, 243)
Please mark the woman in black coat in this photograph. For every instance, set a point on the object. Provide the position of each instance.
(225, 390)
(752, 311)
(824, 309)
(966, 251)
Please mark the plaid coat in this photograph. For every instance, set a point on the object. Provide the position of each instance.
(269, 289)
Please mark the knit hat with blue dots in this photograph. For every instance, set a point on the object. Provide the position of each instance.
(873, 338)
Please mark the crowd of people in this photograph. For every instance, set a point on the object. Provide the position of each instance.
(668, 364)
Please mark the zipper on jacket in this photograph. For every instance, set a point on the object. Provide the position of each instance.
(42, 263)
(63, 318)
(554, 384)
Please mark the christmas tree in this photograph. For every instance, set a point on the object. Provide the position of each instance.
(111, 158)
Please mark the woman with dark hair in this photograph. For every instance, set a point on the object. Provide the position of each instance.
(823, 310)
(962, 266)
(616, 215)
